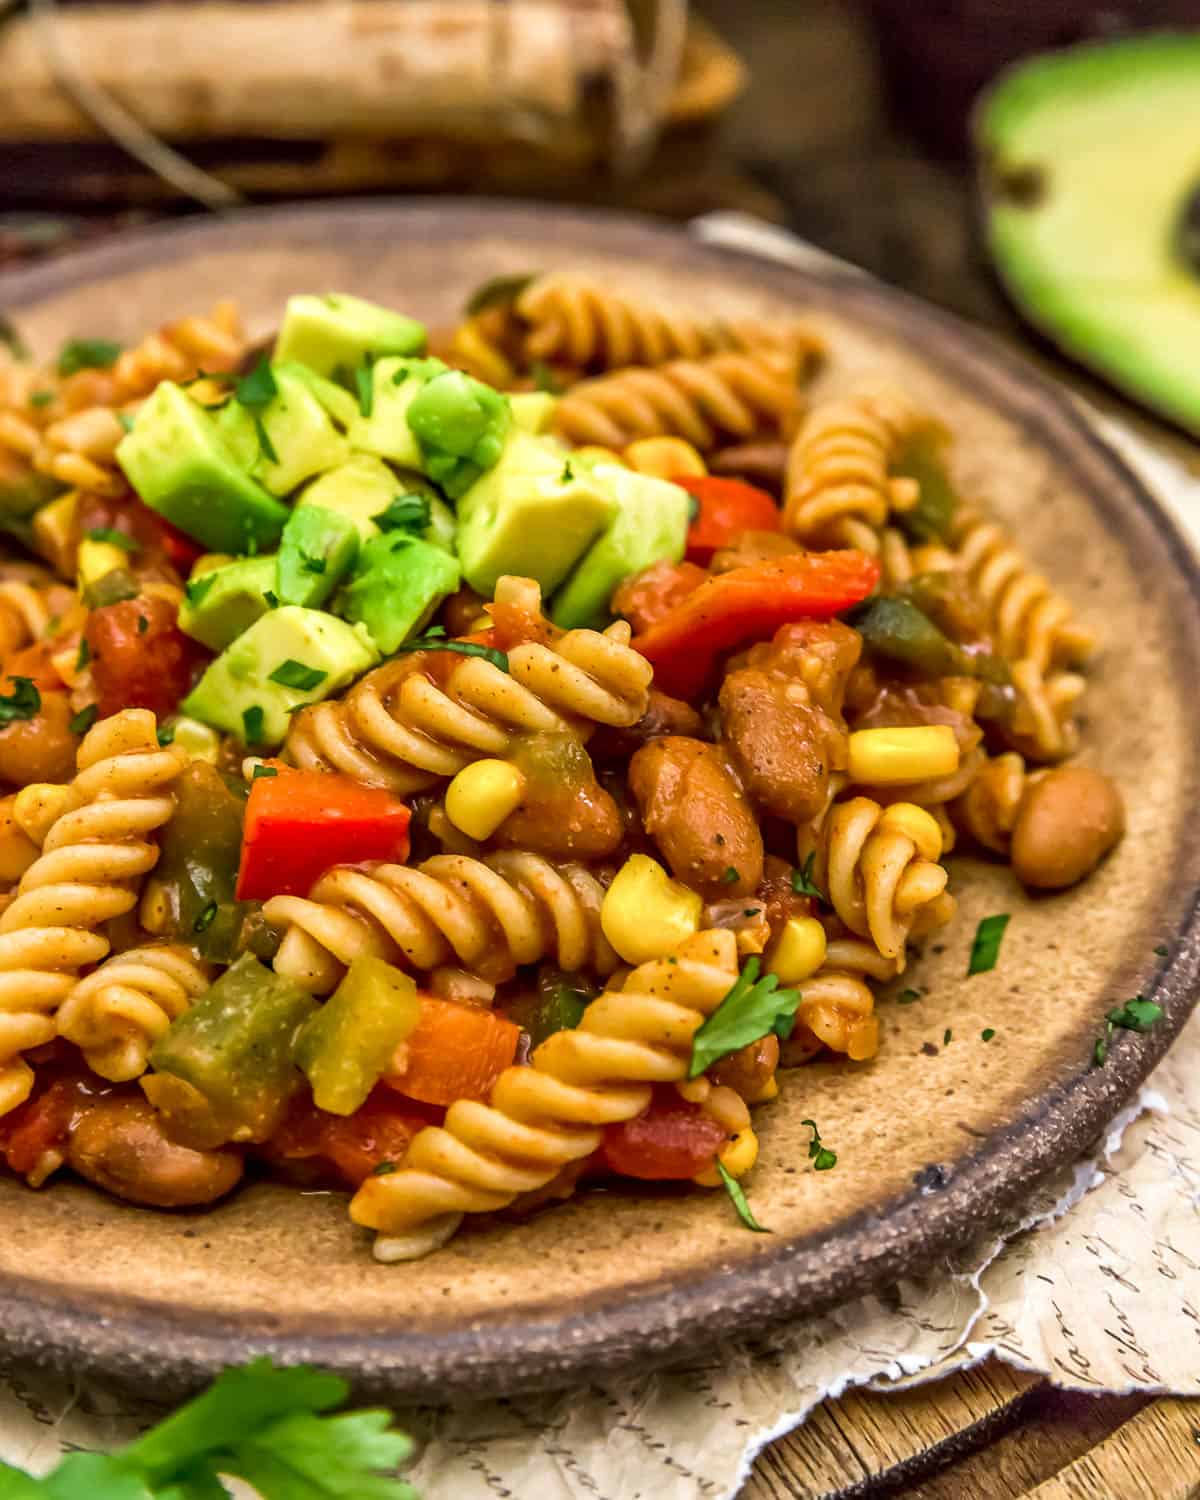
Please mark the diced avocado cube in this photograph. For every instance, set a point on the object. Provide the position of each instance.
(301, 438)
(382, 428)
(219, 605)
(178, 462)
(317, 551)
(398, 583)
(336, 399)
(534, 514)
(287, 658)
(365, 489)
(461, 425)
(650, 524)
(337, 331)
(533, 411)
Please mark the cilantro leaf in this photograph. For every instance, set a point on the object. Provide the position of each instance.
(693, 508)
(545, 379)
(39, 399)
(252, 724)
(22, 703)
(364, 381)
(294, 674)
(751, 1009)
(433, 642)
(738, 1197)
(258, 389)
(498, 291)
(822, 1158)
(803, 883)
(198, 587)
(405, 513)
(114, 538)
(87, 354)
(266, 447)
(84, 719)
(1138, 1014)
(985, 950)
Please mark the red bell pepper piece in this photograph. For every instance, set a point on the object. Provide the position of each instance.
(750, 604)
(41, 1125)
(300, 823)
(348, 1148)
(455, 1051)
(727, 507)
(673, 1140)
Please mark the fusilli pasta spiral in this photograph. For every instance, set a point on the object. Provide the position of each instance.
(116, 1013)
(489, 915)
(94, 854)
(541, 1117)
(837, 488)
(591, 327)
(398, 728)
(705, 401)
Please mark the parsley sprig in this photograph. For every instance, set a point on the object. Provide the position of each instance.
(751, 1009)
(738, 1198)
(270, 1428)
(822, 1158)
(255, 392)
(985, 950)
(434, 640)
(405, 513)
(22, 703)
(803, 883)
(1138, 1014)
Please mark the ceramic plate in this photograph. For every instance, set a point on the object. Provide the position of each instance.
(934, 1141)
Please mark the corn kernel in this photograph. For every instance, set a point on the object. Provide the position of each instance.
(198, 740)
(737, 1156)
(95, 559)
(914, 823)
(54, 532)
(645, 914)
(482, 795)
(799, 950)
(664, 458)
(890, 757)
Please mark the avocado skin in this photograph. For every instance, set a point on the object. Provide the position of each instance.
(1088, 158)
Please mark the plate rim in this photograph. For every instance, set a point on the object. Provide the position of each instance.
(174, 1348)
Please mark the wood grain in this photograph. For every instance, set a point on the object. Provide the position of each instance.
(1156, 1453)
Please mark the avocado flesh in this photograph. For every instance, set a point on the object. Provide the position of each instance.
(219, 605)
(1091, 157)
(398, 583)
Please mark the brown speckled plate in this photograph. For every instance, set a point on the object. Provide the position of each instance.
(933, 1140)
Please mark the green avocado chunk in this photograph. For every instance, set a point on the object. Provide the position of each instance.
(336, 333)
(381, 426)
(1090, 170)
(364, 490)
(317, 550)
(219, 605)
(336, 399)
(287, 658)
(398, 583)
(534, 514)
(301, 439)
(460, 424)
(178, 462)
(650, 524)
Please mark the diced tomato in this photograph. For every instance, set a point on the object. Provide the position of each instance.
(673, 1140)
(301, 823)
(156, 537)
(348, 1148)
(513, 625)
(455, 1051)
(140, 658)
(40, 1125)
(727, 507)
(750, 604)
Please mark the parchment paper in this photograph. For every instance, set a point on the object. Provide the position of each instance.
(1097, 1285)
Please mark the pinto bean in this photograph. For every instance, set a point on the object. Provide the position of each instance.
(664, 715)
(749, 1070)
(782, 745)
(119, 1144)
(1068, 821)
(696, 812)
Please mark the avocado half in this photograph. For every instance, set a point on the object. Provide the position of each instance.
(1090, 174)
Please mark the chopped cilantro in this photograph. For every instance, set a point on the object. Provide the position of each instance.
(205, 920)
(114, 538)
(400, 376)
(294, 674)
(263, 771)
(383, 1169)
(143, 625)
(271, 598)
(498, 291)
(252, 724)
(310, 564)
(265, 446)
(1100, 1052)
(22, 703)
(987, 1033)
(166, 735)
(84, 719)
(364, 381)
(568, 474)
(985, 950)
(802, 881)
(947, 1037)
(432, 641)
(404, 513)
(87, 354)
(730, 876)
(258, 389)
(693, 508)
(738, 1198)
(822, 1158)
(1138, 1014)
(198, 587)
(1162, 950)
(84, 654)
(545, 379)
(908, 997)
(752, 1008)
(41, 398)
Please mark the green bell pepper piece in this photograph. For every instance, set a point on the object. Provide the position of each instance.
(932, 516)
(460, 424)
(558, 1006)
(894, 628)
(232, 1052)
(348, 1045)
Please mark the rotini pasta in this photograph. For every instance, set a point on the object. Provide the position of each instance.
(704, 401)
(400, 729)
(837, 489)
(490, 915)
(542, 1117)
(115, 1014)
(93, 855)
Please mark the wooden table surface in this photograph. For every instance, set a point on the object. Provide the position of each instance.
(812, 145)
